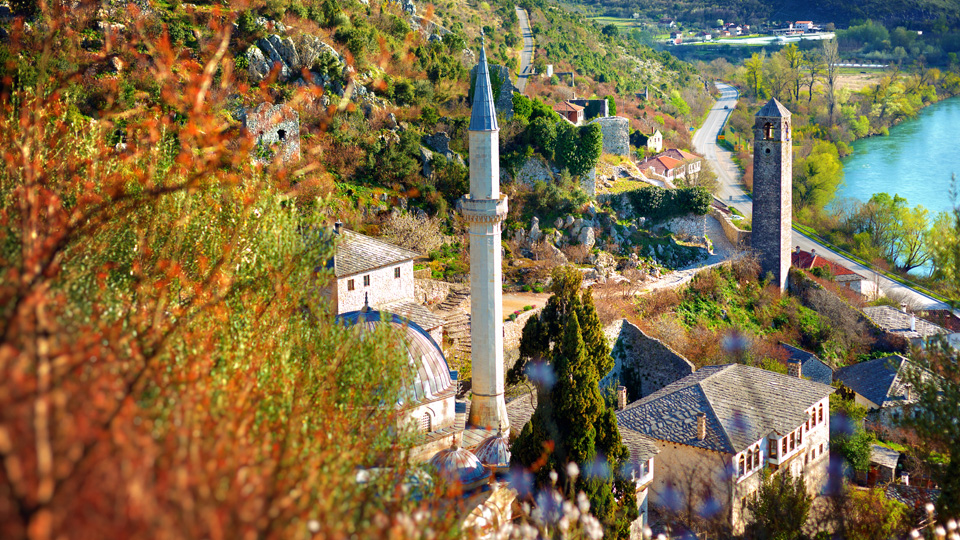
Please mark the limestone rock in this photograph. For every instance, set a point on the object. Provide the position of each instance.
(535, 233)
(556, 254)
(274, 57)
(519, 236)
(426, 157)
(259, 66)
(568, 222)
(587, 237)
(558, 224)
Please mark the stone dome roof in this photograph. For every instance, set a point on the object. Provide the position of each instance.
(494, 451)
(428, 377)
(459, 465)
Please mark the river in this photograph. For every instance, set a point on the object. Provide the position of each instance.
(914, 161)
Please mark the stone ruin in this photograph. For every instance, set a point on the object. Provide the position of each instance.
(277, 129)
(504, 104)
(616, 134)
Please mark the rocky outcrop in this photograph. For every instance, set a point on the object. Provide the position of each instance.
(293, 56)
(439, 143)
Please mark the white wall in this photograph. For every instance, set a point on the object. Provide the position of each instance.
(384, 287)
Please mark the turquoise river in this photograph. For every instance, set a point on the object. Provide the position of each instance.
(914, 161)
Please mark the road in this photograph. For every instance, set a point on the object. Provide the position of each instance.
(526, 55)
(764, 40)
(731, 192)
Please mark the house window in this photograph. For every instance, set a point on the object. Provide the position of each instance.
(756, 458)
(793, 441)
(773, 449)
(742, 469)
(366, 281)
(425, 423)
(821, 413)
(282, 135)
(350, 285)
(821, 448)
(784, 452)
(396, 273)
(799, 437)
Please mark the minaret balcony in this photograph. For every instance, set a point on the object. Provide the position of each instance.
(484, 210)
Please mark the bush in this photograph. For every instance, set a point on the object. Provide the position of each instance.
(661, 204)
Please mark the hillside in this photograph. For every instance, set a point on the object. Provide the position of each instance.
(914, 14)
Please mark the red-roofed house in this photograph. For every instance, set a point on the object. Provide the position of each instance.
(692, 160)
(809, 260)
(570, 111)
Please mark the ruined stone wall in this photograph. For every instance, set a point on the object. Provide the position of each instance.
(616, 134)
(512, 332)
(534, 170)
(499, 75)
(429, 291)
(588, 182)
(641, 363)
(277, 132)
(593, 108)
(735, 235)
(688, 226)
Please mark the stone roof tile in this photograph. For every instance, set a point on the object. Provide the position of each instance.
(356, 253)
(880, 380)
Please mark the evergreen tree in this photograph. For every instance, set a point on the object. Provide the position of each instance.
(572, 423)
(780, 508)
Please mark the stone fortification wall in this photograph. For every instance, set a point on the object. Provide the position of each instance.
(688, 226)
(735, 235)
(641, 363)
(616, 134)
(499, 75)
(534, 170)
(512, 332)
(277, 131)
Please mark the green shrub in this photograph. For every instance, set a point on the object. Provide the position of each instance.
(659, 204)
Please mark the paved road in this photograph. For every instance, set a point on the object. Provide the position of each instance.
(731, 192)
(526, 55)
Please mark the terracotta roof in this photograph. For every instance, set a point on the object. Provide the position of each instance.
(358, 253)
(566, 106)
(678, 154)
(808, 261)
(742, 404)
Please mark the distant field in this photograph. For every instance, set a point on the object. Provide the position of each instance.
(616, 21)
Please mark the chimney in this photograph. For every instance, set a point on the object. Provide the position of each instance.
(908, 392)
(905, 478)
(913, 323)
(337, 225)
(813, 252)
(621, 398)
(701, 426)
(797, 250)
(794, 368)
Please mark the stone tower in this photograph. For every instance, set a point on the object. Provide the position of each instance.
(484, 208)
(773, 191)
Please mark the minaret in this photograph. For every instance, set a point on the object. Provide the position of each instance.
(773, 191)
(484, 209)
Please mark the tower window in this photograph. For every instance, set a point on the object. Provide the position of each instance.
(282, 134)
(768, 131)
(425, 423)
(767, 150)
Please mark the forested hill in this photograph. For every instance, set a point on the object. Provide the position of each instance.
(914, 14)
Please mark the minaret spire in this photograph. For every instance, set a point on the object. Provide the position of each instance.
(484, 208)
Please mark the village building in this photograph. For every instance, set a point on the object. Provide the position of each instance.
(880, 386)
(571, 112)
(642, 452)
(655, 141)
(692, 161)
(720, 428)
(843, 276)
(883, 465)
(902, 323)
(806, 364)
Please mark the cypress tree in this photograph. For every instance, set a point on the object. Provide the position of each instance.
(572, 422)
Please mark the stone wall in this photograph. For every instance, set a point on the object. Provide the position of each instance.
(277, 131)
(641, 363)
(512, 332)
(429, 291)
(588, 182)
(534, 169)
(384, 287)
(616, 134)
(688, 226)
(501, 74)
(735, 235)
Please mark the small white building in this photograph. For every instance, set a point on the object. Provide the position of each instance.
(379, 275)
(719, 428)
(881, 387)
(655, 141)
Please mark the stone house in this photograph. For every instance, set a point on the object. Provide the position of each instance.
(883, 465)
(806, 364)
(642, 452)
(721, 427)
(277, 132)
(664, 168)
(903, 323)
(372, 273)
(843, 276)
(571, 112)
(879, 386)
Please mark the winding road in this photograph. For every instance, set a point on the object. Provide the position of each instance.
(526, 55)
(732, 193)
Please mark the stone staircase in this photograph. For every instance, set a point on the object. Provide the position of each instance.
(456, 329)
(453, 302)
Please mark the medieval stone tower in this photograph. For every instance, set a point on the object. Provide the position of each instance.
(484, 208)
(773, 191)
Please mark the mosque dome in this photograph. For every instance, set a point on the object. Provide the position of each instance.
(494, 451)
(428, 376)
(459, 465)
